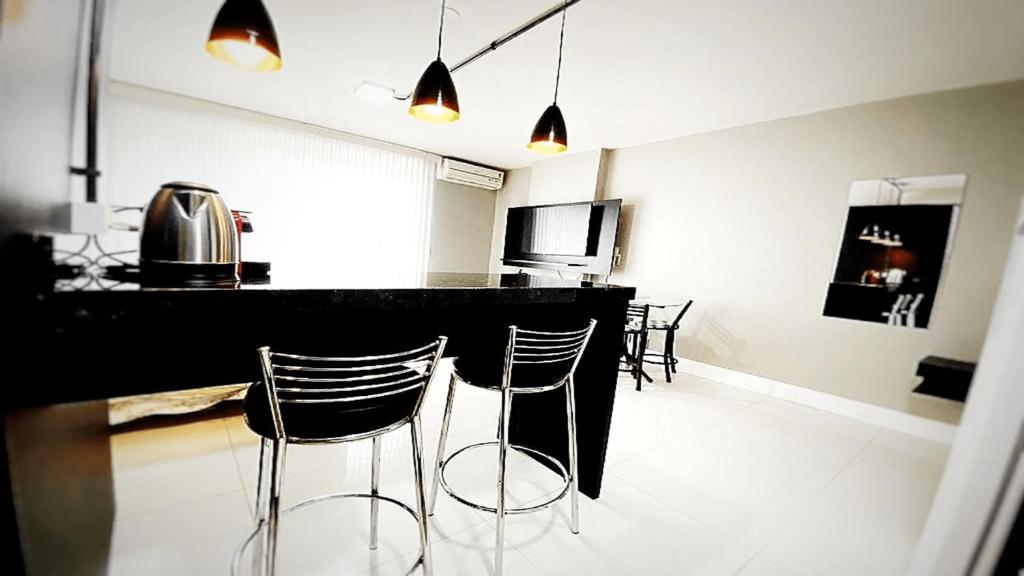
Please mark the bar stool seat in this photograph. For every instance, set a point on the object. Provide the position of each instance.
(659, 325)
(527, 377)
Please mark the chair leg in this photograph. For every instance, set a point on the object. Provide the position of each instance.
(374, 490)
(499, 544)
(259, 511)
(449, 404)
(640, 358)
(574, 495)
(421, 500)
(637, 361)
(666, 356)
(672, 349)
(277, 457)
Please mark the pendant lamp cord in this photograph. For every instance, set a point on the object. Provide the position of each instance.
(561, 40)
(440, 30)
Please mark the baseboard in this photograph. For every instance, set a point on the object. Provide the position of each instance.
(885, 417)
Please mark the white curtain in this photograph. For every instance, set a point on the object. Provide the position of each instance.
(327, 212)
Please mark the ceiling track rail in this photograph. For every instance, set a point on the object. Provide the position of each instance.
(504, 39)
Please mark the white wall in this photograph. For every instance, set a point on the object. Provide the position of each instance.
(462, 221)
(570, 178)
(747, 222)
(515, 192)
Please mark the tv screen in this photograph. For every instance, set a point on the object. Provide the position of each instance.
(579, 237)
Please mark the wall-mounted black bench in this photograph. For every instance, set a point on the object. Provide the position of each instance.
(945, 377)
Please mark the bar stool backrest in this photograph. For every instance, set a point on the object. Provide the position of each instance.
(347, 383)
(527, 347)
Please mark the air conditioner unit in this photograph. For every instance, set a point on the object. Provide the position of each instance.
(470, 174)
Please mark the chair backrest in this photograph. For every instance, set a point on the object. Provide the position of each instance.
(344, 383)
(555, 350)
(682, 312)
(638, 314)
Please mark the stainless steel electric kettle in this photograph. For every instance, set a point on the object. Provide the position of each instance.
(188, 238)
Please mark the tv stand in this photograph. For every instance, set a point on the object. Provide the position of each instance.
(542, 265)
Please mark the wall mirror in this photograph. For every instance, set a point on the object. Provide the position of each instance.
(896, 242)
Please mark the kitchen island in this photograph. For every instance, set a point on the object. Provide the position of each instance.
(93, 345)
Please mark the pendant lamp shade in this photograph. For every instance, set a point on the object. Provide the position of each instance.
(434, 99)
(244, 35)
(549, 135)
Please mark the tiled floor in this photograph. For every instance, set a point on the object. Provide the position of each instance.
(702, 479)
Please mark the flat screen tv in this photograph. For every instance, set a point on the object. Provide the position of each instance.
(577, 237)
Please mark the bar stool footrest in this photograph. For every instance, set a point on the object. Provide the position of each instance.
(522, 449)
(237, 558)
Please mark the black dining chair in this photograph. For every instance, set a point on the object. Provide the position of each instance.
(634, 342)
(330, 400)
(667, 356)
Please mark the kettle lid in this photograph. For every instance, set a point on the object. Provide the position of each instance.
(181, 185)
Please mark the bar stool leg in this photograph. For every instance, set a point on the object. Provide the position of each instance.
(259, 510)
(274, 504)
(374, 490)
(449, 404)
(499, 546)
(421, 501)
(574, 495)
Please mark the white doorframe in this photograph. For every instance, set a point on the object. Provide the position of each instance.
(986, 450)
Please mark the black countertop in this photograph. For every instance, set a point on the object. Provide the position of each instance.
(431, 281)
(431, 290)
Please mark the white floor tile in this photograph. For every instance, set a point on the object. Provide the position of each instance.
(867, 521)
(468, 553)
(198, 537)
(173, 465)
(661, 412)
(742, 478)
(702, 478)
(623, 532)
(760, 566)
(791, 417)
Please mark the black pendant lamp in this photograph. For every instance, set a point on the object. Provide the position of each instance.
(243, 35)
(434, 99)
(549, 135)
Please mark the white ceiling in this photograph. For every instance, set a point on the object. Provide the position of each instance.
(633, 72)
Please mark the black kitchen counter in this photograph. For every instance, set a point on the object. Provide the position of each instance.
(78, 349)
(133, 340)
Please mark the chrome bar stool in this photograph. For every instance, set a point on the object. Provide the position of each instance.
(327, 400)
(548, 360)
